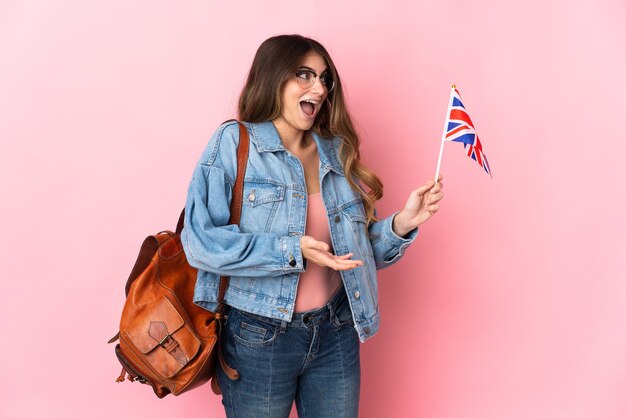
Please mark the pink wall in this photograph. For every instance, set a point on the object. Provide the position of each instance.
(512, 303)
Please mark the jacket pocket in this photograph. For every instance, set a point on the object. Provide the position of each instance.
(261, 202)
(356, 214)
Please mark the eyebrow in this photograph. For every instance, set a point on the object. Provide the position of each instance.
(304, 67)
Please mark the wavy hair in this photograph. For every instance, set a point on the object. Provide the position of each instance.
(275, 61)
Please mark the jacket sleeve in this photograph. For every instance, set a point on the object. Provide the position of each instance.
(212, 245)
(388, 247)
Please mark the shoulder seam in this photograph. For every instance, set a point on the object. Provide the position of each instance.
(218, 141)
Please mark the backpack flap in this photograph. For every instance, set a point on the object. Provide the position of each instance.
(163, 338)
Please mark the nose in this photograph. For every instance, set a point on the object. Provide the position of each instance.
(317, 86)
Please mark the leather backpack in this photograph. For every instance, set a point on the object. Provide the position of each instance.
(165, 340)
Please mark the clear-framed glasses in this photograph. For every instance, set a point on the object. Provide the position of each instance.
(306, 79)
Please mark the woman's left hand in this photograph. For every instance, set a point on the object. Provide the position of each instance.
(420, 207)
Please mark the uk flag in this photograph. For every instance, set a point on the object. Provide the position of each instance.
(461, 129)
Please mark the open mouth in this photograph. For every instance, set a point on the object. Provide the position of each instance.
(309, 107)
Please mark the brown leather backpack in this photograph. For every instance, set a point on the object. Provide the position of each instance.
(166, 340)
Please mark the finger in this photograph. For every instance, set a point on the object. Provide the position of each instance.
(426, 187)
(433, 208)
(340, 262)
(332, 257)
(341, 266)
(435, 198)
(437, 188)
(345, 256)
(349, 262)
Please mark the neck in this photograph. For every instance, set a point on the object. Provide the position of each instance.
(293, 139)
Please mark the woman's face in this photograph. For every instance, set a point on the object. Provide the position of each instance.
(301, 103)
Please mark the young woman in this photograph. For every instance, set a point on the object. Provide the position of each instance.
(302, 261)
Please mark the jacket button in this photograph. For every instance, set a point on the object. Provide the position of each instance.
(366, 330)
(337, 219)
(251, 197)
(357, 294)
(292, 261)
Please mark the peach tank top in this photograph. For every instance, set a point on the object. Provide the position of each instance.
(317, 284)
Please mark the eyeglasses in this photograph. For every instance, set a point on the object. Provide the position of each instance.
(306, 79)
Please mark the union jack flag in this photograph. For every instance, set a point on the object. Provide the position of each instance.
(461, 129)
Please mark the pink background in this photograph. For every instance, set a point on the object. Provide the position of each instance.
(511, 303)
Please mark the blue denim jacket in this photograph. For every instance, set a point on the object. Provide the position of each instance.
(262, 254)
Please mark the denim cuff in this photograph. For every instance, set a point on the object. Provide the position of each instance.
(395, 239)
(292, 254)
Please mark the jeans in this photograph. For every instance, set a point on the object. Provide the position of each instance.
(314, 360)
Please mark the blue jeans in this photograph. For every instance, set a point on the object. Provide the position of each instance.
(314, 360)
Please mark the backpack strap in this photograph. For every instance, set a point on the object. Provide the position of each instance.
(236, 204)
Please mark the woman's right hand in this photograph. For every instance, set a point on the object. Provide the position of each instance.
(318, 252)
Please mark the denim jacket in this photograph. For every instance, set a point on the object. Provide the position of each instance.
(262, 254)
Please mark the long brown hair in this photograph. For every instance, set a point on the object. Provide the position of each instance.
(275, 61)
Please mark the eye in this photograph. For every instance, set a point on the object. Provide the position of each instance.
(326, 79)
(305, 74)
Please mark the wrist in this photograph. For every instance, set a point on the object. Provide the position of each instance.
(400, 226)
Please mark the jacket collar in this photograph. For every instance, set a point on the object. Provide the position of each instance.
(266, 139)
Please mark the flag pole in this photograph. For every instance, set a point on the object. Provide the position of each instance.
(443, 135)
